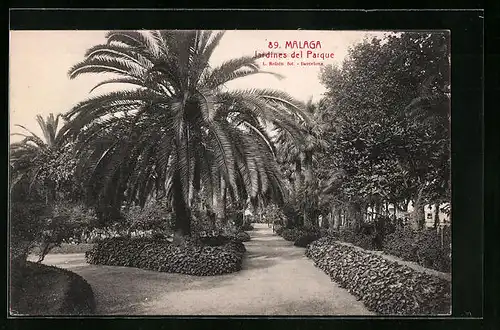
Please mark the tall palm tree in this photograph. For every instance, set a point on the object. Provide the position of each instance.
(299, 155)
(181, 132)
(31, 158)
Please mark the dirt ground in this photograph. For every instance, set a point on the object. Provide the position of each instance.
(276, 279)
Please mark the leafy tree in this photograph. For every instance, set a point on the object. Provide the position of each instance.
(47, 161)
(298, 158)
(28, 216)
(180, 133)
(389, 121)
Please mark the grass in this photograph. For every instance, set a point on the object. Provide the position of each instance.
(67, 248)
(45, 290)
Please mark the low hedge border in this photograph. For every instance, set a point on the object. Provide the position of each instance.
(385, 286)
(77, 297)
(191, 258)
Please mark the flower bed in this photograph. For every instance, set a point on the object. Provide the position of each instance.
(191, 258)
(386, 287)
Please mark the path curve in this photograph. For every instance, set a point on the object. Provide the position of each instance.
(276, 279)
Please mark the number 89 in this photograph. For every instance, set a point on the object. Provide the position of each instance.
(273, 44)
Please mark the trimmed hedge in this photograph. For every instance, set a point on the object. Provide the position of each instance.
(39, 289)
(305, 240)
(429, 248)
(386, 287)
(301, 236)
(192, 258)
(293, 234)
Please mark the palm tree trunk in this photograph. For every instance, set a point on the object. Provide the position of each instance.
(298, 176)
(221, 205)
(182, 226)
(224, 206)
(308, 174)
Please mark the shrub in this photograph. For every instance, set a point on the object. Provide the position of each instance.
(370, 235)
(46, 290)
(426, 247)
(217, 238)
(236, 246)
(357, 238)
(270, 214)
(279, 230)
(67, 223)
(27, 222)
(290, 214)
(385, 287)
(159, 255)
(293, 234)
(243, 236)
(247, 227)
(155, 216)
(304, 240)
(401, 243)
(434, 251)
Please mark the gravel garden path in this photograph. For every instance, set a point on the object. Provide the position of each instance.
(276, 279)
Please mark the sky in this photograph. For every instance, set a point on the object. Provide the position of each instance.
(39, 62)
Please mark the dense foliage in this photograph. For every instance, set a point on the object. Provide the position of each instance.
(430, 248)
(387, 123)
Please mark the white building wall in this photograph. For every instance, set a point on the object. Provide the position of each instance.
(429, 212)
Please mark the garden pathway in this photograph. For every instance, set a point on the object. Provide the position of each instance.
(276, 279)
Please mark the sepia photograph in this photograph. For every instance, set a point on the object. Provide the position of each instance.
(230, 173)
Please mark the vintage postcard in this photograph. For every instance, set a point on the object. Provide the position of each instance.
(239, 172)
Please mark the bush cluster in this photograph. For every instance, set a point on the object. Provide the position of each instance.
(33, 281)
(192, 258)
(370, 235)
(385, 287)
(301, 236)
(279, 230)
(306, 239)
(243, 236)
(247, 227)
(216, 238)
(429, 248)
